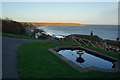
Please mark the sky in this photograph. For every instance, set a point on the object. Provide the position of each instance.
(62, 12)
(60, 0)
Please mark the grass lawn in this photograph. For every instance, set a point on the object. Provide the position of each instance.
(110, 53)
(113, 54)
(16, 36)
(35, 61)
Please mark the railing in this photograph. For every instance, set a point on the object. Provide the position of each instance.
(92, 43)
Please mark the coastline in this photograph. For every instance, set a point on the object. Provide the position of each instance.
(51, 24)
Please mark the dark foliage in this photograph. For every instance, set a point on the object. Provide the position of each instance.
(10, 26)
(113, 43)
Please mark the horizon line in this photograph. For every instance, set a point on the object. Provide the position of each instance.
(68, 22)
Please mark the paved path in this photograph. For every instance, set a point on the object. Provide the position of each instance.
(9, 55)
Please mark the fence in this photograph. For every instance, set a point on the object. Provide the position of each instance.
(92, 43)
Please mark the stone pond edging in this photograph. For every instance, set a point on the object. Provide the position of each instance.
(95, 53)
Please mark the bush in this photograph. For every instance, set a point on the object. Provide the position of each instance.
(10, 26)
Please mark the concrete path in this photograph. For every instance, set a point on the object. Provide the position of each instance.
(9, 55)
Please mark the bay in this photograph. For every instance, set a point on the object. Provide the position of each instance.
(104, 31)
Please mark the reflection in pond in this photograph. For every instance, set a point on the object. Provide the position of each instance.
(113, 65)
(80, 60)
(86, 60)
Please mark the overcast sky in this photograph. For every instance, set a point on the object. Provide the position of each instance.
(75, 12)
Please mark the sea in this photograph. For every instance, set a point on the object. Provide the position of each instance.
(103, 31)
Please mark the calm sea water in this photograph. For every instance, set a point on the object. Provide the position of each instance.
(103, 31)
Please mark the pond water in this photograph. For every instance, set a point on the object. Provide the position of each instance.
(89, 60)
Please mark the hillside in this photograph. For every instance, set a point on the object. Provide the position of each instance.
(13, 27)
(53, 24)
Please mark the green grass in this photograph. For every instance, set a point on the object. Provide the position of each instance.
(16, 36)
(110, 53)
(113, 54)
(35, 61)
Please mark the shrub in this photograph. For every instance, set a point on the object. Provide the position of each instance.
(10, 26)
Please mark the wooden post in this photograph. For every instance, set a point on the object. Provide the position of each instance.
(107, 47)
(98, 45)
(76, 41)
(92, 44)
(84, 42)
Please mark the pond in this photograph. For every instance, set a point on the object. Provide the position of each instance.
(86, 60)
